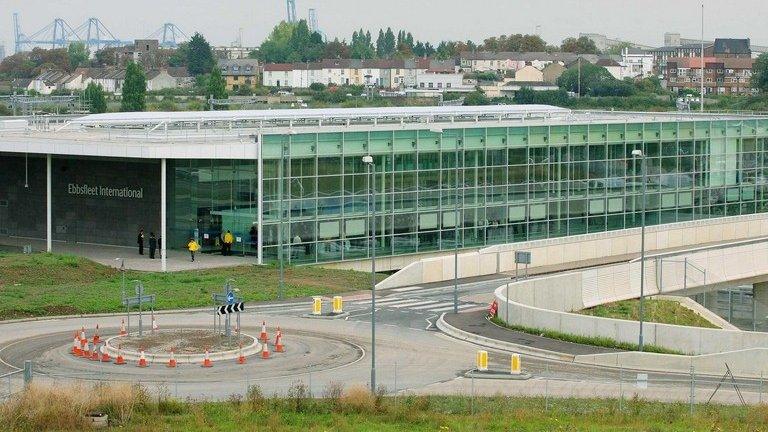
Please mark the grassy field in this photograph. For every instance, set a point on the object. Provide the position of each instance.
(355, 409)
(658, 311)
(51, 284)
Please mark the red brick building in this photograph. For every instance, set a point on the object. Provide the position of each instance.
(722, 76)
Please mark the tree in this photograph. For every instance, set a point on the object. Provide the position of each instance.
(105, 57)
(134, 89)
(760, 73)
(199, 56)
(78, 54)
(180, 55)
(528, 96)
(477, 97)
(362, 46)
(336, 50)
(94, 94)
(592, 76)
(582, 45)
(217, 87)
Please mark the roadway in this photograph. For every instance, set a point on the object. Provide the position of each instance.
(412, 355)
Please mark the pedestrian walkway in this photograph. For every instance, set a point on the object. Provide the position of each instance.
(113, 256)
(477, 324)
(421, 305)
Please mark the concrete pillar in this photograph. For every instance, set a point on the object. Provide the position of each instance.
(163, 199)
(760, 297)
(260, 192)
(48, 204)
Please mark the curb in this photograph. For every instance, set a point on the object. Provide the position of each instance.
(500, 345)
(326, 316)
(250, 350)
(496, 375)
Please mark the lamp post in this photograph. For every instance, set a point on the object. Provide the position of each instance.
(368, 160)
(638, 154)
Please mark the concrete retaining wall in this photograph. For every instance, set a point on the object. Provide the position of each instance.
(547, 303)
(580, 249)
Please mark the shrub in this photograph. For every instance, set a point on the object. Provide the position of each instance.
(358, 399)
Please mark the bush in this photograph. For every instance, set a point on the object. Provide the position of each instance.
(613, 88)
(527, 96)
(359, 400)
(318, 87)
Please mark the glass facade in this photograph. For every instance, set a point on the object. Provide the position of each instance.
(512, 184)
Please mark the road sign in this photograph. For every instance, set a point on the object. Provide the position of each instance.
(230, 297)
(135, 301)
(522, 257)
(230, 308)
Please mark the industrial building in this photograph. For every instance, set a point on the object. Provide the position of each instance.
(516, 173)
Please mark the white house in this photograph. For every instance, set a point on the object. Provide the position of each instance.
(48, 82)
(636, 63)
(278, 75)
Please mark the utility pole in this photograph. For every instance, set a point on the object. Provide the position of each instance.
(702, 58)
(578, 92)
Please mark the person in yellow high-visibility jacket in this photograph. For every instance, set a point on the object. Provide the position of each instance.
(228, 239)
(193, 247)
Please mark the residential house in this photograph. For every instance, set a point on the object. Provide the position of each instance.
(731, 48)
(141, 51)
(529, 74)
(722, 76)
(48, 81)
(111, 79)
(636, 63)
(160, 80)
(240, 73)
(232, 52)
(613, 67)
(278, 75)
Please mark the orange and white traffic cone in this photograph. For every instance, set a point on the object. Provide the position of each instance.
(279, 342)
(122, 328)
(241, 357)
(95, 354)
(86, 349)
(263, 336)
(119, 360)
(265, 351)
(154, 324)
(105, 358)
(76, 347)
(207, 362)
(172, 361)
(82, 334)
(142, 360)
(96, 337)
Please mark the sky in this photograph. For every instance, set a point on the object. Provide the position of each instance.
(642, 21)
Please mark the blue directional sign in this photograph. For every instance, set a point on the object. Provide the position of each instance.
(230, 297)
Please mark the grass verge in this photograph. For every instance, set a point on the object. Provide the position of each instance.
(131, 408)
(54, 284)
(585, 340)
(657, 311)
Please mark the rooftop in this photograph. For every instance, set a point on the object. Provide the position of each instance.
(231, 134)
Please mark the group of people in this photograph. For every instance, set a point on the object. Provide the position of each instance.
(155, 243)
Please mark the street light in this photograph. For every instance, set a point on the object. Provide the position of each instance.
(639, 154)
(368, 161)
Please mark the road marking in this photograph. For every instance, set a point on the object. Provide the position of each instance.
(406, 289)
(450, 308)
(429, 322)
(408, 304)
(434, 304)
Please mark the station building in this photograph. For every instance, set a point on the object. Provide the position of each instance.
(297, 178)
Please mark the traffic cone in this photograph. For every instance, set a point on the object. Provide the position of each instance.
(105, 358)
(82, 333)
(263, 337)
(154, 324)
(76, 347)
(119, 360)
(86, 349)
(96, 337)
(241, 357)
(279, 342)
(172, 361)
(142, 360)
(95, 353)
(82, 347)
(264, 351)
(207, 362)
(122, 328)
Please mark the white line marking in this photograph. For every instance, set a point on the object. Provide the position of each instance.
(406, 289)
(450, 308)
(434, 304)
(410, 303)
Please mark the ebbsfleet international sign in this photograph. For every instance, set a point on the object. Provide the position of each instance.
(104, 191)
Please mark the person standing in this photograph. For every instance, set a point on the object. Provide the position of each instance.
(140, 241)
(193, 247)
(228, 240)
(152, 245)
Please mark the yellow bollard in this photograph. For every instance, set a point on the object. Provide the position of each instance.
(317, 306)
(481, 361)
(516, 366)
(338, 305)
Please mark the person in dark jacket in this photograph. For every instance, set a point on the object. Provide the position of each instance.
(152, 245)
(140, 241)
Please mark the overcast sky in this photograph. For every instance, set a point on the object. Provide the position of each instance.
(643, 21)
